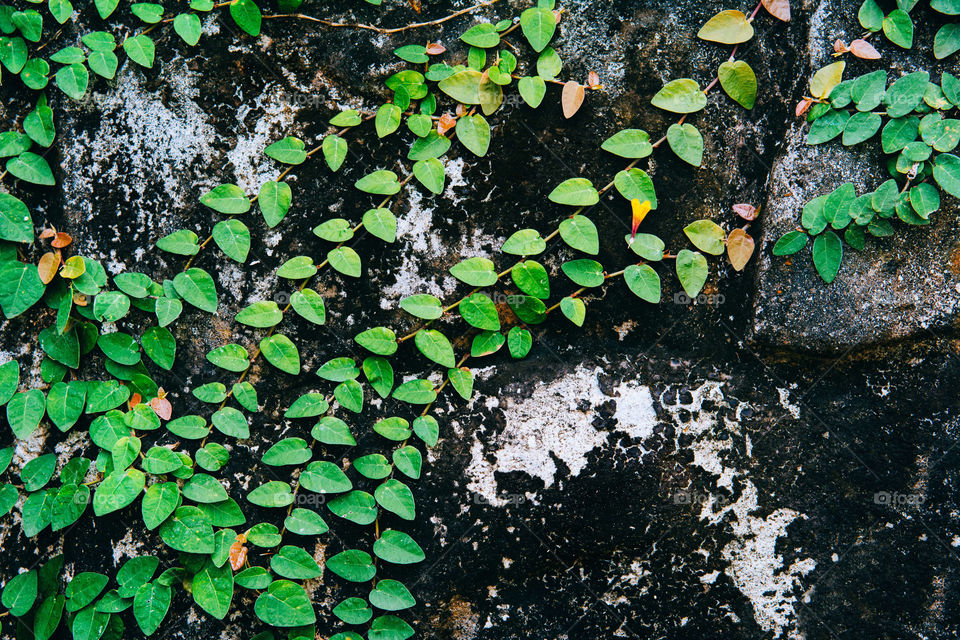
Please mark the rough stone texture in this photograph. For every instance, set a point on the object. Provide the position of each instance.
(654, 475)
(900, 286)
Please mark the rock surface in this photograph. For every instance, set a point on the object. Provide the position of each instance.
(665, 472)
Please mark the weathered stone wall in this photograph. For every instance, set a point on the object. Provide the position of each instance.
(668, 472)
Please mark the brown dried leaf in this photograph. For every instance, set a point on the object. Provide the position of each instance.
(435, 49)
(446, 123)
(803, 106)
(779, 9)
(48, 233)
(461, 110)
(161, 407)
(61, 240)
(238, 554)
(79, 299)
(593, 80)
(863, 49)
(840, 46)
(571, 98)
(745, 211)
(48, 265)
(739, 248)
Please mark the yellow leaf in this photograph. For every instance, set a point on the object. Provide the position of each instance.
(727, 27)
(739, 248)
(826, 79)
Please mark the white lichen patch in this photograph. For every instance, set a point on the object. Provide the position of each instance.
(556, 421)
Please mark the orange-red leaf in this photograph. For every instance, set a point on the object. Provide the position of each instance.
(571, 98)
(238, 555)
(739, 248)
(134, 400)
(863, 49)
(48, 233)
(803, 106)
(48, 265)
(61, 240)
(779, 9)
(435, 49)
(446, 123)
(745, 211)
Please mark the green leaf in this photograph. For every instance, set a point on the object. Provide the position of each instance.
(381, 223)
(379, 374)
(408, 460)
(946, 172)
(389, 628)
(285, 604)
(358, 507)
(396, 497)
(353, 565)
(332, 430)
(226, 198)
(476, 272)
(532, 89)
(35, 73)
(949, 7)
(182, 242)
(463, 86)
(149, 12)
(397, 547)
(549, 64)
(24, 412)
(247, 15)
(727, 27)
(739, 81)
(383, 182)
(924, 198)
(140, 49)
(827, 255)
(334, 151)
(325, 477)
(427, 429)
(636, 184)
(295, 563)
(435, 346)
(871, 16)
(274, 200)
(263, 314)
(685, 141)
(947, 41)
(584, 272)
(374, 466)
(430, 173)
(339, 369)
(287, 452)
(352, 611)
(790, 243)
(196, 287)
(288, 150)
(899, 132)
(422, 306)
(474, 132)
(576, 192)
(31, 168)
(393, 428)
(297, 268)
(233, 238)
(230, 422)
(118, 490)
(629, 143)
(380, 340)
(104, 63)
(680, 96)
(538, 25)
(907, 93)
(827, 127)
(231, 357)
(391, 595)
(483, 35)
(647, 246)
(47, 617)
(349, 394)
(213, 589)
(150, 606)
(526, 242)
(309, 305)
(62, 347)
(187, 26)
(9, 381)
(574, 309)
(305, 523)
(388, 115)
(89, 624)
(65, 402)
(692, 271)
(580, 233)
(20, 592)
(160, 346)
(532, 279)
(272, 494)
(479, 311)
(898, 27)
(707, 236)
(416, 392)
(643, 281)
(16, 225)
(204, 488)
(346, 261)
(308, 405)
(38, 125)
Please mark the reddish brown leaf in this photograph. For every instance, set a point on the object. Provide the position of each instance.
(435, 49)
(48, 233)
(745, 211)
(779, 9)
(803, 106)
(739, 248)
(446, 123)
(162, 407)
(863, 49)
(238, 553)
(571, 98)
(840, 46)
(593, 80)
(61, 240)
(134, 400)
(48, 265)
